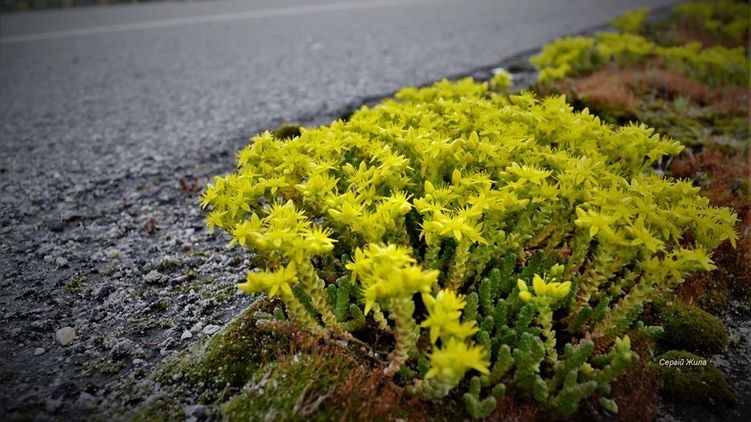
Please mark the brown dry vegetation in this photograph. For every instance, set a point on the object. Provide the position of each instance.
(637, 392)
(367, 394)
(685, 34)
(361, 390)
(614, 89)
(513, 409)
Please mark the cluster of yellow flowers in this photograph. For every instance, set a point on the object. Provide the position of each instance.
(552, 291)
(421, 198)
(712, 65)
(388, 272)
(455, 356)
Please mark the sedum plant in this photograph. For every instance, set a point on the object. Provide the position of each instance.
(631, 21)
(712, 65)
(502, 241)
(720, 18)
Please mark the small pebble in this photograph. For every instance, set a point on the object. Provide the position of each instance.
(86, 401)
(186, 335)
(39, 351)
(211, 329)
(61, 262)
(121, 349)
(113, 253)
(65, 335)
(153, 276)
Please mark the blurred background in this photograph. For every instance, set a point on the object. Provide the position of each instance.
(24, 5)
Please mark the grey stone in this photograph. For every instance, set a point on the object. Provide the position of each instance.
(121, 349)
(211, 329)
(196, 412)
(65, 335)
(153, 276)
(86, 401)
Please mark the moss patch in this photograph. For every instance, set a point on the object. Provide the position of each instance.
(287, 131)
(229, 359)
(322, 382)
(159, 410)
(690, 328)
(687, 377)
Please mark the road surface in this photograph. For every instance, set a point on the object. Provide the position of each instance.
(181, 79)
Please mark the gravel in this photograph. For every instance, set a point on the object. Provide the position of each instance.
(91, 301)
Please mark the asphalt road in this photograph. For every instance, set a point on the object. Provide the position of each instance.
(179, 80)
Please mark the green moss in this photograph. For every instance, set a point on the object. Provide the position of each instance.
(690, 378)
(235, 353)
(166, 323)
(231, 357)
(674, 125)
(211, 288)
(167, 265)
(714, 297)
(324, 382)
(287, 131)
(74, 285)
(160, 410)
(284, 392)
(690, 328)
(104, 366)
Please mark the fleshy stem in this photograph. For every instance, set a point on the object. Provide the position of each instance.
(637, 296)
(298, 313)
(429, 389)
(459, 265)
(405, 333)
(546, 320)
(431, 255)
(314, 288)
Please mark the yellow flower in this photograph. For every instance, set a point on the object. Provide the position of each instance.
(246, 231)
(538, 284)
(271, 282)
(215, 219)
(544, 291)
(317, 240)
(386, 272)
(449, 363)
(444, 312)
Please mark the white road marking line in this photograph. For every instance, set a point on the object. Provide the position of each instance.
(221, 17)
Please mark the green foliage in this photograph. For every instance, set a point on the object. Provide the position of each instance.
(631, 21)
(566, 57)
(480, 408)
(714, 65)
(501, 81)
(724, 18)
(711, 65)
(517, 227)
